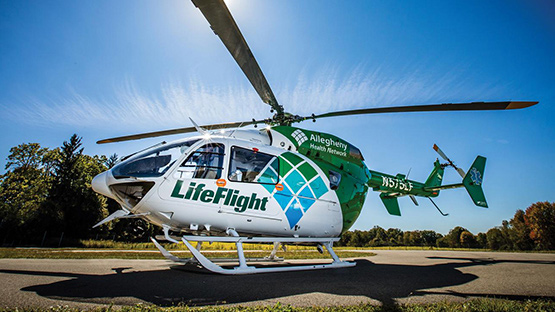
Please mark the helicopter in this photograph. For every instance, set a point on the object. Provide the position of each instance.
(277, 184)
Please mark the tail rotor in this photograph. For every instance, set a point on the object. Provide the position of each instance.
(449, 161)
(472, 181)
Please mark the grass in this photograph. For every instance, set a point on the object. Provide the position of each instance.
(61, 253)
(108, 244)
(482, 305)
(439, 248)
(410, 248)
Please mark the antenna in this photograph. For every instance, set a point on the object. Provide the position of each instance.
(413, 200)
(199, 129)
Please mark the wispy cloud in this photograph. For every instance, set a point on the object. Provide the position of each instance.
(327, 90)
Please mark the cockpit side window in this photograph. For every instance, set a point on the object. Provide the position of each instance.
(250, 165)
(152, 163)
(355, 152)
(207, 162)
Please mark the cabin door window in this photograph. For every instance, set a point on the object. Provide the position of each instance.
(205, 163)
(253, 166)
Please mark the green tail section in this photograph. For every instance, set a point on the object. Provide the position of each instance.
(393, 187)
(473, 182)
(436, 176)
(391, 204)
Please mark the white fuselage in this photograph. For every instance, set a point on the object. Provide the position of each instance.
(238, 190)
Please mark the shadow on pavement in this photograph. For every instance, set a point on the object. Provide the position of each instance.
(383, 282)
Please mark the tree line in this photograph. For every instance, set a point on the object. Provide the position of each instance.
(46, 199)
(532, 229)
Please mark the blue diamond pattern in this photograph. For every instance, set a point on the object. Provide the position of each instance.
(297, 195)
(306, 202)
(294, 213)
(319, 187)
(295, 181)
(283, 197)
(269, 187)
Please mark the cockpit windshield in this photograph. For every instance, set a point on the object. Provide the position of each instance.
(152, 163)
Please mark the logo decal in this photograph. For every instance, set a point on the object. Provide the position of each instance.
(230, 197)
(475, 176)
(300, 187)
(299, 136)
(329, 145)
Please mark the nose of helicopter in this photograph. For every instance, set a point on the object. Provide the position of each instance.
(100, 184)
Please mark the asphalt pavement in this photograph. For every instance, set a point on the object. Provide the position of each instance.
(392, 276)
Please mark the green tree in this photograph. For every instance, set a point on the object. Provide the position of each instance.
(23, 189)
(72, 206)
(377, 237)
(345, 239)
(111, 161)
(496, 240)
(520, 232)
(506, 231)
(356, 240)
(540, 218)
(429, 238)
(412, 238)
(394, 237)
(442, 242)
(453, 239)
(467, 240)
(482, 240)
(26, 156)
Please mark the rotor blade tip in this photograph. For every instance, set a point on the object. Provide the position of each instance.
(519, 105)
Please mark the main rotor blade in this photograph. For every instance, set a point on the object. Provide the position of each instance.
(179, 131)
(223, 25)
(430, 108)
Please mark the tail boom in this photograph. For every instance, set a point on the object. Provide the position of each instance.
(392, 187)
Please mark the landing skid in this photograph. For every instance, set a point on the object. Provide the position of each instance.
(243, 268)
(168, 255)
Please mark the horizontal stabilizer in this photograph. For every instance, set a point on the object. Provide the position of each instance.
(443, 187)
(391, 204)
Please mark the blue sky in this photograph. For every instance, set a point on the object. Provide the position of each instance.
(108, 68)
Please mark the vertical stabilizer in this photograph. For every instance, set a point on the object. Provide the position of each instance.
(436, 176)
(473, 182)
